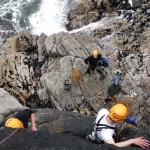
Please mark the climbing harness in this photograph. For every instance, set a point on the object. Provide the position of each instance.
(128, 125)
(6, 138)
(98, 127)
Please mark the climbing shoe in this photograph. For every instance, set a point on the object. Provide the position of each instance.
(91, 137)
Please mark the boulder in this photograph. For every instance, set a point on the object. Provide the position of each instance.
(23, 42)
(9, 103)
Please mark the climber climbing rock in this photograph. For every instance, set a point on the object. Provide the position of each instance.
(105, 125)
(94, 61)
(114, 89)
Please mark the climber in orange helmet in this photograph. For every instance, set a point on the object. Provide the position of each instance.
(105, 125)
(20, 120)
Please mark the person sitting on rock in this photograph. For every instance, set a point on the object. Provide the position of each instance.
(105, 125)
(114, 89)
(20, 120)
(92, 61)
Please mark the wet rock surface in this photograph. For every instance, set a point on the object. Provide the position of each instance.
(62, 131)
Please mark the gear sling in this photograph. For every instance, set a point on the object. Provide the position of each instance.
(99, 127)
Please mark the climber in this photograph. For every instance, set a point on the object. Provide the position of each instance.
(105, 125)
(114, 89)
(20, 120)
(93, 61)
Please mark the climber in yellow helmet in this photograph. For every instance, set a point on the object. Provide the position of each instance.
(92, 61)
(105, 125)
(20, 120)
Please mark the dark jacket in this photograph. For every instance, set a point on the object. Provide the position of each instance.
(24, 116)
(114, 90)
(93, 61)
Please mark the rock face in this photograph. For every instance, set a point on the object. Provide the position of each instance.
(63, 130)
(34, 69)
(87, 11)
(8, 103)
(49, 72)
(141, 3)
(39, 82)
(82, 14)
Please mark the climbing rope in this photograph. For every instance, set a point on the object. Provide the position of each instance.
(76, 76)
(6, 138)
(128, 125)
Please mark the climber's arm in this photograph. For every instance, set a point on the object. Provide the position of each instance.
(136, 141)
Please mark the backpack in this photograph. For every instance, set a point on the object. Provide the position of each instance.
(105, 61)
(67, 85)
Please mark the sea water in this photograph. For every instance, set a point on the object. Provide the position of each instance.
(47, 16)
(51, 18)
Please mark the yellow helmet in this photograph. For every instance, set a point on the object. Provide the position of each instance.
(13, 123)
(95, 52)
(118, 112)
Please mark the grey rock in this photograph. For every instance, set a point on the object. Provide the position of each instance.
(8, 103)
(70, 129)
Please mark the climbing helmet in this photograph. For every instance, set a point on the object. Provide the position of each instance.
(118, 112)
(95, 53)
(14, 123)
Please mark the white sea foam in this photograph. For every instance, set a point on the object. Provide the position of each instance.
(9, 6)
(92, 26)
(130, 1)
(51, 17)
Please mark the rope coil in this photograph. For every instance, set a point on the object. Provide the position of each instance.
(76, 75)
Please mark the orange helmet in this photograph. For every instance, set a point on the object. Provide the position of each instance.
(95, 52)
(13, 123)
(118, 112)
